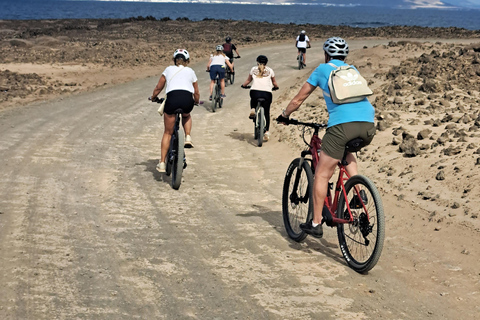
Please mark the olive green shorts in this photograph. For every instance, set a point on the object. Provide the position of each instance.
(336, 137)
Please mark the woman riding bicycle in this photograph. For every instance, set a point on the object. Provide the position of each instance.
(345, 122)
(216, 66)
(263, 79)
(182, 93)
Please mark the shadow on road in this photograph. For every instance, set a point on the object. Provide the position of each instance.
(310, 244)
(247, 137)
(150, 166)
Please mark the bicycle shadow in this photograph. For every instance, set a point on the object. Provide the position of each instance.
(310, 244)
(244, 137)
(151, 166)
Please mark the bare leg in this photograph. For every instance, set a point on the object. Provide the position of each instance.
(222, 85)
(352, 165)
(169, 122)
(212, 84)
(187, 123)
(325, 169)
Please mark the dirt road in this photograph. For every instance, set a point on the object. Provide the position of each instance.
(89, 229)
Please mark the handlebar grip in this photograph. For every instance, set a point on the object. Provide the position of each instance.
(245, 87)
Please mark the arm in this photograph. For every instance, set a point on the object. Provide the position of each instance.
(159, 87)
(249, 79)
(308, 44)
(274, 82)
(227, 61)
(208, 64)
(303, 94)
(196, 93)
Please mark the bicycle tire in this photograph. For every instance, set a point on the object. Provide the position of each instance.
(297, 208)
(261, 125)
(215, 98)
(300, 62)
(361, 254)
(168, 164)
(178, 158)
(232, 78)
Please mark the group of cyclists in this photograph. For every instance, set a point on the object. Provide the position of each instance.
(346, 121)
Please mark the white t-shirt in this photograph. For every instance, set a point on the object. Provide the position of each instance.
(218, 60)
(262, 83)
(179, 78)
(302, 44)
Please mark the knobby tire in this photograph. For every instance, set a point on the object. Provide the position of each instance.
(297, 198)
(361, 252)
(260, 125)
(178, 160)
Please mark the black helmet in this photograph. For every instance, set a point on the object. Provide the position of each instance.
(228, 39)
(262, 59)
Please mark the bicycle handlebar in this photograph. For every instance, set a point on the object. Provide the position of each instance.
(248, 87)
(156, 99)
(295, 122)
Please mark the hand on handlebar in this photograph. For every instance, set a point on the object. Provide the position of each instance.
(275, 88)
(283, 120)
(245, 87)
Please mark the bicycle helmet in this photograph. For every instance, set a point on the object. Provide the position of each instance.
(181, 53)
(303, 32)
(262, 59)
(228, 39)
(336, 47)
(219, 47)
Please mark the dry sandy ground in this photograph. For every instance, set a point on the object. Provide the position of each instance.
(424, 158)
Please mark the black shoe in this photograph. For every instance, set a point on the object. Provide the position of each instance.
(316, 232)
(355, 203)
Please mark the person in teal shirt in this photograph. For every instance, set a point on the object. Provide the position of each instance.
(345, 122)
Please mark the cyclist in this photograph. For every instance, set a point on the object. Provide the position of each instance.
(182, 93)
(216, 66)
(302, 43)
(263, 79)
(345, 122)
(228, 48)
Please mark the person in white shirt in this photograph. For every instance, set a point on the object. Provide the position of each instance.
(216, 66)
(182, 93)
(263, 82)
(302, 43)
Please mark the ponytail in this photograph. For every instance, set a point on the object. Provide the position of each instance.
(261, 69)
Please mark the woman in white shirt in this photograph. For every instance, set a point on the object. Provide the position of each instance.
(216, 66)
(264, 82)
(182, 93)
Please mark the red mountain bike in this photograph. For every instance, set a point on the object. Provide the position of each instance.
(356, 208)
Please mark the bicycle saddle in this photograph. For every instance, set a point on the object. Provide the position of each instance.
(178, 110)
(355, 145)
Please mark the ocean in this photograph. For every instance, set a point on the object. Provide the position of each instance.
(357, 16)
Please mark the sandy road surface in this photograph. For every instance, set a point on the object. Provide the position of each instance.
(89, 229)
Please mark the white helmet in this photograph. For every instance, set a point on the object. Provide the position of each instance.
(303, 32)
(219, 47)
(181, 52)
(336, 47)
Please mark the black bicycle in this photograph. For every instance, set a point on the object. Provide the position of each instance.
(175, 161)
(259, 121)
(230, 74)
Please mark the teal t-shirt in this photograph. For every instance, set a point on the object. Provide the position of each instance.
(340, 113)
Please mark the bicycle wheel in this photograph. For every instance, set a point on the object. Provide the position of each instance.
(260, 125)
(300, 62)
(232, 77)
(297, 198)
(361, 241)
(215, 98)
(220, 102)
(168, 164)
(178, 158)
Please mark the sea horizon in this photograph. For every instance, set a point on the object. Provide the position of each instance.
(281, 13)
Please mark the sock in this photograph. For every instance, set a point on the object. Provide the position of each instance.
(314, 224)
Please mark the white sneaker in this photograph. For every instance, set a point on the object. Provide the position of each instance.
(161, 167)
(188, 142)
(252, 114)
(266, 136)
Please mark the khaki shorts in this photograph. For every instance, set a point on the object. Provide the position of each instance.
(336, 137)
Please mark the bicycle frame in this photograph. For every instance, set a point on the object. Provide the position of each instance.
(330, 203)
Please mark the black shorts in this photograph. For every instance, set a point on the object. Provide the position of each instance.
(302, 50)
(179, 99)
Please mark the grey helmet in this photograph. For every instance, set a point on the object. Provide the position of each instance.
(336, 47)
